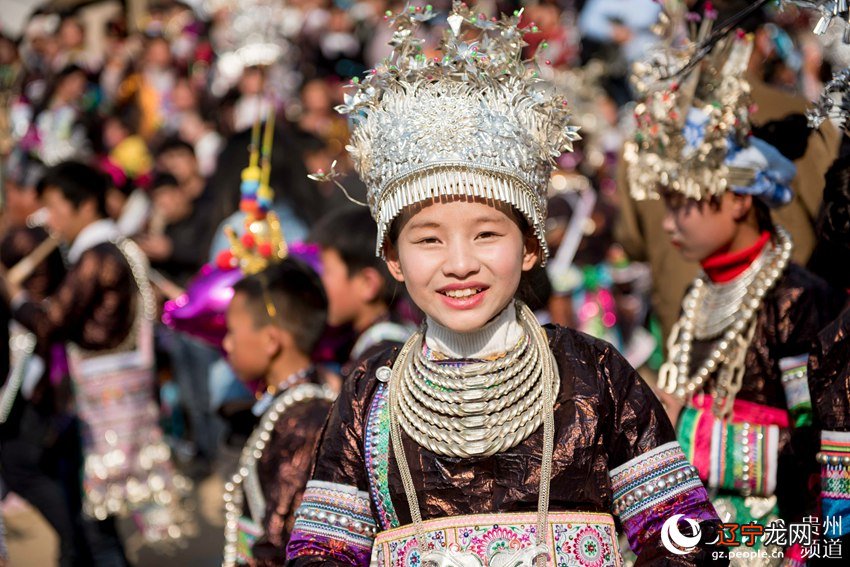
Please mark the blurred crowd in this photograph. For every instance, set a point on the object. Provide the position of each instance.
(163, 104)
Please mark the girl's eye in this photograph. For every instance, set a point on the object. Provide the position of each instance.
(487, 235)
(427, 240)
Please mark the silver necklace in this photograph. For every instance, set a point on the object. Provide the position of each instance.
(727, 357)
(478, 409)
(536, 554)
(721, 302)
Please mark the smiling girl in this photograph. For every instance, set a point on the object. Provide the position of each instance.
(486, 439)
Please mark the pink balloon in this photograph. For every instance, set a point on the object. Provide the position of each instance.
(201, 311)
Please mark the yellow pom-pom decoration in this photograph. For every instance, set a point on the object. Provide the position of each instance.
(251, 173)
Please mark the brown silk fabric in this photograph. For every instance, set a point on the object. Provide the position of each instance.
(829, 375)
(94, 306)
(284, 470)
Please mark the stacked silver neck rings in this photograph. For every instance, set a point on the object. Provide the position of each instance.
(477, 409)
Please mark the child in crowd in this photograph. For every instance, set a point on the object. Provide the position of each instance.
(734, 381)
(359, 287)
(273, 323)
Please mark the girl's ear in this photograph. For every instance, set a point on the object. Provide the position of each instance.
(741, 206)
(531, 252)
(393, 263)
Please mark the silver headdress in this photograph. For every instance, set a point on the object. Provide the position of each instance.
(693, 131)
(477, 121)
(249, 33)
(829, 11)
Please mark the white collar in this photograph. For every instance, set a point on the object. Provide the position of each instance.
(498, 336)
(96, 233)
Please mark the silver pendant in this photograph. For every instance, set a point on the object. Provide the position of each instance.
(667, 376)
(525, 557)
(448, 558)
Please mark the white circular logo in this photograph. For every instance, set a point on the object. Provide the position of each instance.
(675, 541)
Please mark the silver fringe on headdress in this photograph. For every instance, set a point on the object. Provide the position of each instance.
(829, 11)
(475, 122)
(834, 102)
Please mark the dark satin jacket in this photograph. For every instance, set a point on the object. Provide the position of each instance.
(829, 375)
(94, 306)
(605, 416)
(284, 469)
(792, 313)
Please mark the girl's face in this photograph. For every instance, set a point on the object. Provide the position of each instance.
(461, 260)
(699, 228)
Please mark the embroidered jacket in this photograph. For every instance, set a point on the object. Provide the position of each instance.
(94, 306)
(612, 438)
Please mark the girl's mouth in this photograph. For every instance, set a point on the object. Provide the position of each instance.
(463, 297)
(462, 293)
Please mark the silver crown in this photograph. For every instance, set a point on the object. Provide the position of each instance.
(476, 122)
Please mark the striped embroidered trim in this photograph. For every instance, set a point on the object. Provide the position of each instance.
(744, 458)
(834, 458)
(337, 512)
(651, 478)
(796, 384)
(377, 443)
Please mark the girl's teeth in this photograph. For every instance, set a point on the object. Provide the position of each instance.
(457, 293)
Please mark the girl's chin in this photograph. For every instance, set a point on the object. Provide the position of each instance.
(463, 321)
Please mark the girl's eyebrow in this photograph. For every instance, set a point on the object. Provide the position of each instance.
(488, 218)
(434, 224)
(424, 224)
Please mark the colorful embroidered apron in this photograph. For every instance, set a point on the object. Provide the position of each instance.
(127, 463)
(575, 539)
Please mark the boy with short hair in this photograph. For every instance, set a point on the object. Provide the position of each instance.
(273, 323)
(104, 311)
(359, 287)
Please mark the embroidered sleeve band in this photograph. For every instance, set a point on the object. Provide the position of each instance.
(652, 487)
(834, 458)
(796, 385)
(333, 521)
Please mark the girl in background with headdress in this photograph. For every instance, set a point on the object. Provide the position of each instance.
(735, 377)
